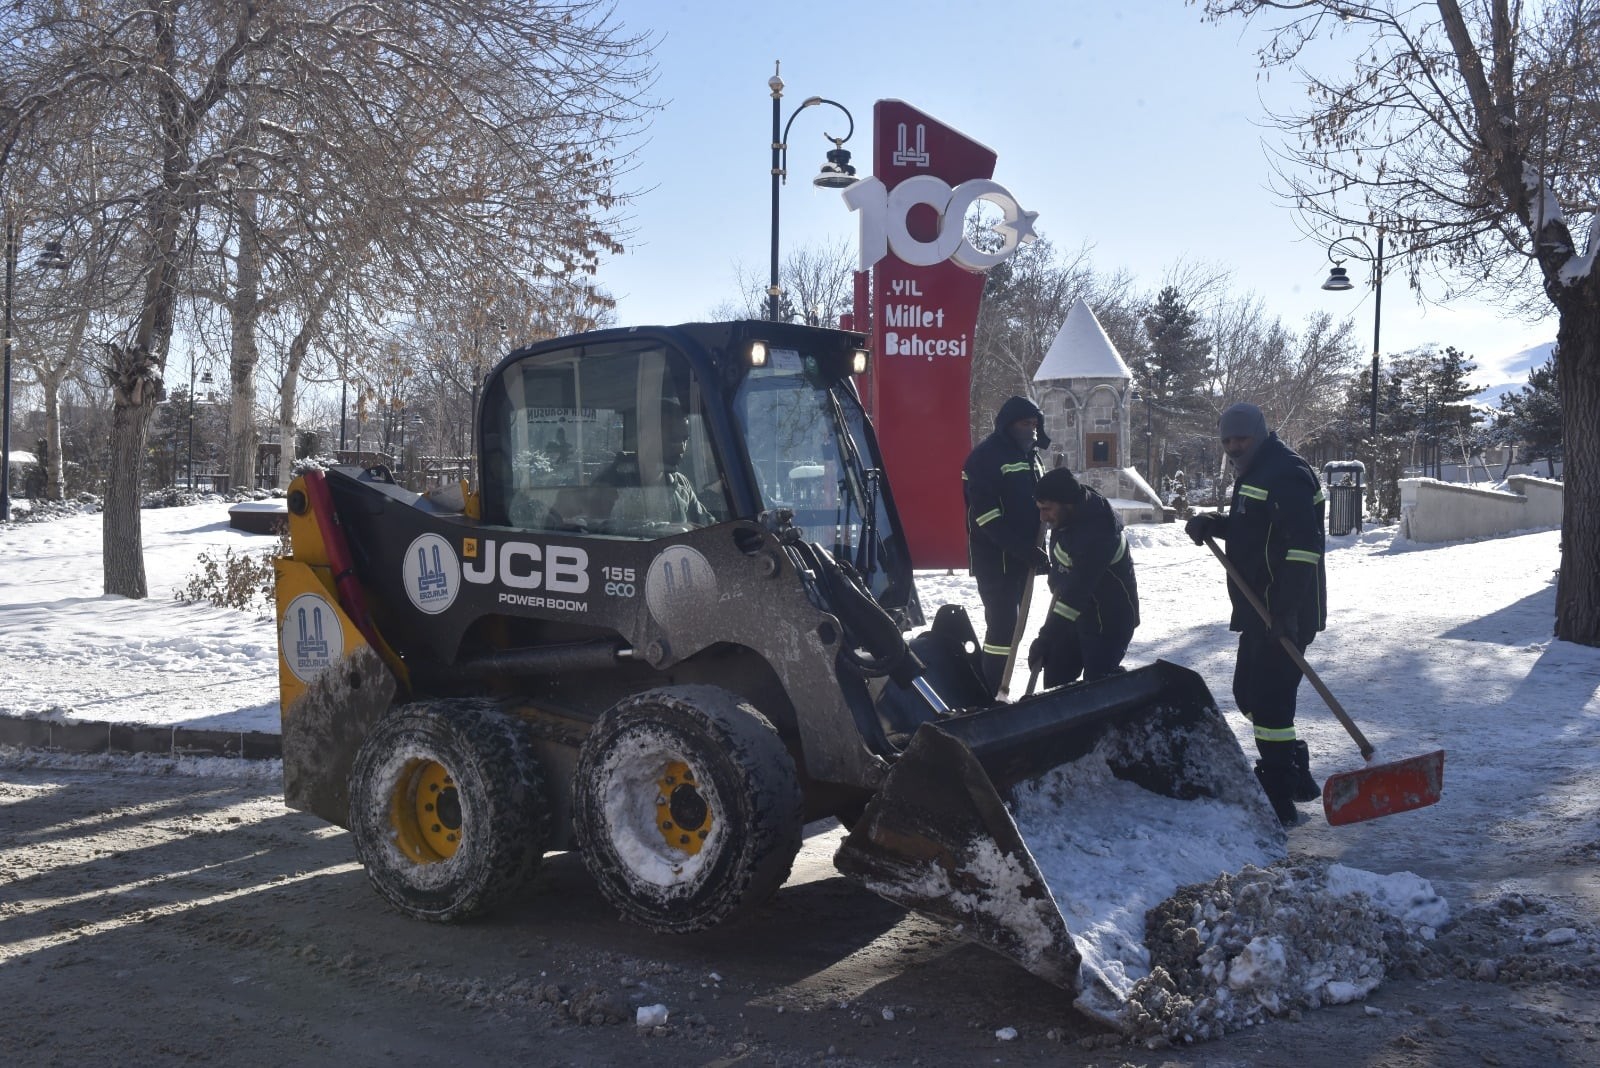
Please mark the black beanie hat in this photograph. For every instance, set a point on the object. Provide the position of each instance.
(1242, 420)
(1058, 485)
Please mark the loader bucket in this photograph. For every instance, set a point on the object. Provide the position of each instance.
(1039, 827)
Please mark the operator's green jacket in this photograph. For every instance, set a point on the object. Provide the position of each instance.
(1275, 530)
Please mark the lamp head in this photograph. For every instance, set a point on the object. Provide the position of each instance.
(837, 172)
(1338, 281)
(52, 258)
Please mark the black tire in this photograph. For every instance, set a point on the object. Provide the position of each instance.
(447, 807)
(686, 807)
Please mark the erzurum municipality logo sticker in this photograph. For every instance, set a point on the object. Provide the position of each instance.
(310, 636)
(431, 573)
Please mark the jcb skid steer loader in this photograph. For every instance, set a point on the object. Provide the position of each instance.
(668, 628)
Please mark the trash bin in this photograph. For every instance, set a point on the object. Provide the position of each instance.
(1343, 479)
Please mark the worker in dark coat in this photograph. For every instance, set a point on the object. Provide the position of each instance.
(1095, 604)
(1274, 530)
(1003, 550)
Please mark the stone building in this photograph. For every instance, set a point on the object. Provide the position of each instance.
(1086, 393)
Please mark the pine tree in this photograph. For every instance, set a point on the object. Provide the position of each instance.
(1175, 367)
(1172, 373)
(1532, 417)
(1447, 418)
(1432, 389)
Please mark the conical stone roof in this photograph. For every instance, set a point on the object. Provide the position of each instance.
(1081, 350)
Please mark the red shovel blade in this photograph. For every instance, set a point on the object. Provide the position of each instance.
(1383, 789)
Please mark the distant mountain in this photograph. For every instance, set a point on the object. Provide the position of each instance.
(1518, 366)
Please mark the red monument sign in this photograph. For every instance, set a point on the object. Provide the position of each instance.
(926, 287)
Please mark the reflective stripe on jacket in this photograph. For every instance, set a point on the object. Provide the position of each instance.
(1275, 534)
(997, 482)
(1091, 570)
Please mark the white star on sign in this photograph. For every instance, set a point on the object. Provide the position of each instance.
(1021, 226)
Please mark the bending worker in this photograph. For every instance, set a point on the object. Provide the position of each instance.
(1274, 531)
(1003, 525)
(1096, 604)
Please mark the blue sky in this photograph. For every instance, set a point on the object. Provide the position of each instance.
(1134, 127)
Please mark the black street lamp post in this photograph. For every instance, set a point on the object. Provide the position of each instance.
(835, 174)
(1149, 458)
(1339, 282)
(5, 432)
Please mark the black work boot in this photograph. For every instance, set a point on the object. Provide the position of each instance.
(1305, 786)
(1278, 781)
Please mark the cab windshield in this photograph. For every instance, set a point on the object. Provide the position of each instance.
(809, 450)
(605, 439)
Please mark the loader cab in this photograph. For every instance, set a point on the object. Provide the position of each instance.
(651, 433)
(601, 438)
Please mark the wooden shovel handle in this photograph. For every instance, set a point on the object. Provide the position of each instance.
(1294, 654)
(1017, 633)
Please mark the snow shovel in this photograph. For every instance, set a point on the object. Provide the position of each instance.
(1017, 633)
(1369, 792)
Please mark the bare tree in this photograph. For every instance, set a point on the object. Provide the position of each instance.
(453, 132)
(1025, 301)
(818, 284)
(465, 329)
(1468, 135)
(66, 296)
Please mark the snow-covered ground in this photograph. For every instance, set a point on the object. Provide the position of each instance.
(1429, 647)
(73, 653)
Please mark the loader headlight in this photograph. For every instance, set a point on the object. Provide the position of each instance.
(758, 354)
(859, 361)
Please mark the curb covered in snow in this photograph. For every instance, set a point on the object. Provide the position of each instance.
(96, 738)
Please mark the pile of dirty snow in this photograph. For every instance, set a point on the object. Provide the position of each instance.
(1173, 951)
(1265, 942)
(1111, 850)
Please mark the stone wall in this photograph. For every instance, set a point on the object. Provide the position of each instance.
(1433, 511)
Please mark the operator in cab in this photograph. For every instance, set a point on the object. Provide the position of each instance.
(645, 489)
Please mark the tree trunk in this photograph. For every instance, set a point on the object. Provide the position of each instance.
(288, 434)
(1578, 369)
(52, 436)
(138, 366)
(242, 438)
(136, 387)
(51, 375)
(51, 378)
(244, 355)
(291, 383)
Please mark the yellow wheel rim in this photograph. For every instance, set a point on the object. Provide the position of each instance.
(682, 815)
(425, 812)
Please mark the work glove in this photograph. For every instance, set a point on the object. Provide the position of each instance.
(1286, 625)
(1041, 562)
(1036, 656)
(1203, 526)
